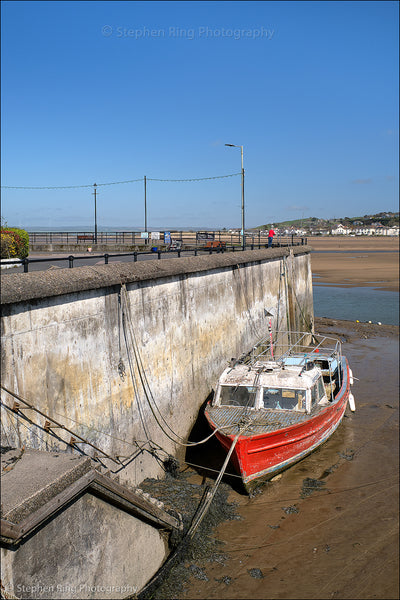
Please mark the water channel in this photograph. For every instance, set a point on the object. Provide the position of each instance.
(356, 303)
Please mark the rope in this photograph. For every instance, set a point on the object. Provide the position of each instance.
(57, 424)
(12, 424)
(146, 386)
(5, 434)
(209, 469)
(136, 391)
(211, 493)
(139, 444)
(287, 299)
(242, 290)
(6, 592)
(201, 511)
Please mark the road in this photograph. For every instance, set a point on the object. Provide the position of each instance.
(61, 260)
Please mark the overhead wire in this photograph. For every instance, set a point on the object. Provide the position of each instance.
(89, 185)
(194, 179)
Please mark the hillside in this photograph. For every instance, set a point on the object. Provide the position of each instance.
(384, 218)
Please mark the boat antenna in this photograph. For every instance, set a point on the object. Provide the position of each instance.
(270, 313)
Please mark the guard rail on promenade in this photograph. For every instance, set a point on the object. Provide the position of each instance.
(137, 238)
(281, 241)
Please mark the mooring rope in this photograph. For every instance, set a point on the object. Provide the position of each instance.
(146, 386)
(199, 515)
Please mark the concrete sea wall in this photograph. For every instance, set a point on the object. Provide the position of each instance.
(121, 357)
(114, 366)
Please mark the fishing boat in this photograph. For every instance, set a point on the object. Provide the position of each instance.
(279, 402)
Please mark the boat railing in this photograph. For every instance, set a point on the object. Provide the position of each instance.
(288, 344)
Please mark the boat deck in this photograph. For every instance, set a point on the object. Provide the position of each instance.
(260, 421)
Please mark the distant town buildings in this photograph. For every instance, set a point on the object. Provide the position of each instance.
(367, 225)
(373, 229)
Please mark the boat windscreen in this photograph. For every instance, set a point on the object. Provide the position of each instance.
(237, 395)
(284, 398)
(322, 364)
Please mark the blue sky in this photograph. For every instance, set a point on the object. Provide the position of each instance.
(112, 91)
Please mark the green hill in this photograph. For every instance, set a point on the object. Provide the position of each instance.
(387, 219)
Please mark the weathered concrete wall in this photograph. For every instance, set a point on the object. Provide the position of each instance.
(68, 351)
(90, 550)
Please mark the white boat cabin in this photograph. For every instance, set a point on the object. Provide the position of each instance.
(273, 386)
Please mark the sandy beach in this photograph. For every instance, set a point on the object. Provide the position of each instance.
(359, 261)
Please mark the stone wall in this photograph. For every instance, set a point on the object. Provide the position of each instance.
(128, 372)
(89, 550)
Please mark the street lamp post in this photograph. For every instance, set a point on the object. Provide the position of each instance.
(95, 212)
(243, 227)
(145, 208)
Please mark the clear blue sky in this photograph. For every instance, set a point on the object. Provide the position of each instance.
(112, 91)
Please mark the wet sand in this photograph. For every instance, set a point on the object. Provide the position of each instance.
(359, 261)
(341, 540)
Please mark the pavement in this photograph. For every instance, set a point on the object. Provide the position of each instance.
(30, 478)
(60, 260)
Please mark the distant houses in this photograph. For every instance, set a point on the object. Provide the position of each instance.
(373, 229)
(358, 228)
(341, 230)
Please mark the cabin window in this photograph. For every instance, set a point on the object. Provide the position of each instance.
(322, 364)
(284, 398)
(237, 395)
(314, 395)
(317, 392)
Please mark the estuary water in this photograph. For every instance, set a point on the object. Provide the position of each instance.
(356, 303)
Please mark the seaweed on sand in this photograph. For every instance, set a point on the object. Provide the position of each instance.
(179, 495)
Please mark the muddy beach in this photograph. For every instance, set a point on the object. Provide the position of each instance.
(328, 526)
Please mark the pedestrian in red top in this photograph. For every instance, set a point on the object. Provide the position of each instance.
(271, 234)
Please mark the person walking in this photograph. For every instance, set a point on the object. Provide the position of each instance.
(271, 234)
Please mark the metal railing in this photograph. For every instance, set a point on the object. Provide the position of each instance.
(157, 252)
(134, 238)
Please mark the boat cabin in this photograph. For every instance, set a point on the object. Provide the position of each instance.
(280, 401)
(272, 386)
(327, 364)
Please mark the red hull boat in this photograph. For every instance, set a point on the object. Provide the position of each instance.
(279, 404)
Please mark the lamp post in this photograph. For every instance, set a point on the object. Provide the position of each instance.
(145, 208)
(95, 212)
(242, 232)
